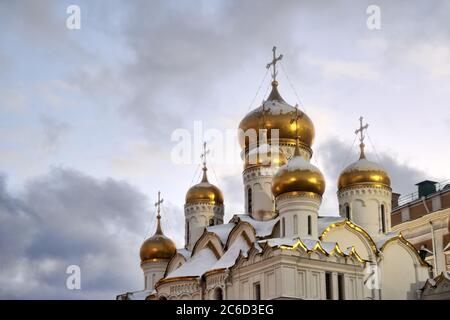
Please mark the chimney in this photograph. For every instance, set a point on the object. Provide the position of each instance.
(394, 202)
(426, 188)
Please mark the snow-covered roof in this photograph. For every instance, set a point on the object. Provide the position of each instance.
(381, 240)
(196, 266)
(221, 230)
(184, 252)
(323, 222)
(262, 228)
(230, 256)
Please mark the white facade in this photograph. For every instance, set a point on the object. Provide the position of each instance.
(367, 206)
(153, 272)
(199, 216)
(299, 214)
(259, 200)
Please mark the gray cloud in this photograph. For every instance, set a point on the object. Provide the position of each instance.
(53, 131)
(65, 218)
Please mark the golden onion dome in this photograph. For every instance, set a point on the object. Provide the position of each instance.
(204, 192)
(264, 155)
(275, 113)
(364, 172)
(158, 247)
(298, 175)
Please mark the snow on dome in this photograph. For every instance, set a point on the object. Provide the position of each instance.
(277, 107)
(298, 163)
(298, 175)
(363, 165)
(363, 172)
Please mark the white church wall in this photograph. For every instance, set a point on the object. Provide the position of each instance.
(365, 207)
(153, 272)
(401, 274)
(347, 238)
(259, 179)
(299, 211)
(288, 276)
(198, 216)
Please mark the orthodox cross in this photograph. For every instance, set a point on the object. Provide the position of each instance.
(360, 131)
(158, 204)
(273, 63)
(203, 155)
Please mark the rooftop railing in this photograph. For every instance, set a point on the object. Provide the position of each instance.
(407, 198)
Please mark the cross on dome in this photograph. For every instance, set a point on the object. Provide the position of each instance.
(360, 131)
(273, 63)
(203, 157)
(158, 215)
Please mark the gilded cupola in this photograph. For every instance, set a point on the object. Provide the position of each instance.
(276, 114)
(158, 247)
(298, 176)
(204, 192)
(363, 172)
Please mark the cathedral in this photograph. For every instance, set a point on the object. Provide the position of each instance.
(281, 247)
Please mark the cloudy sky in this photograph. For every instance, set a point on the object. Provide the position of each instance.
(87, 116)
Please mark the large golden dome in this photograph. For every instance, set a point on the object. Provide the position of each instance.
(298, 175)
(264, 155)
(275, 113)
(364, 172)
(204, 192)
(157, 247)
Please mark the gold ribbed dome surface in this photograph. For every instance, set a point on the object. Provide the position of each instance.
(298, 175)
(157, 247)
(364, 172)
(275, 113)
(264, 155)
(204, 192)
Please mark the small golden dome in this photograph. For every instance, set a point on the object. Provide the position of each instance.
(204, 192)
(264, 155)
(363, 172)
(275, 113)
(298, 175)
(157, 247)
